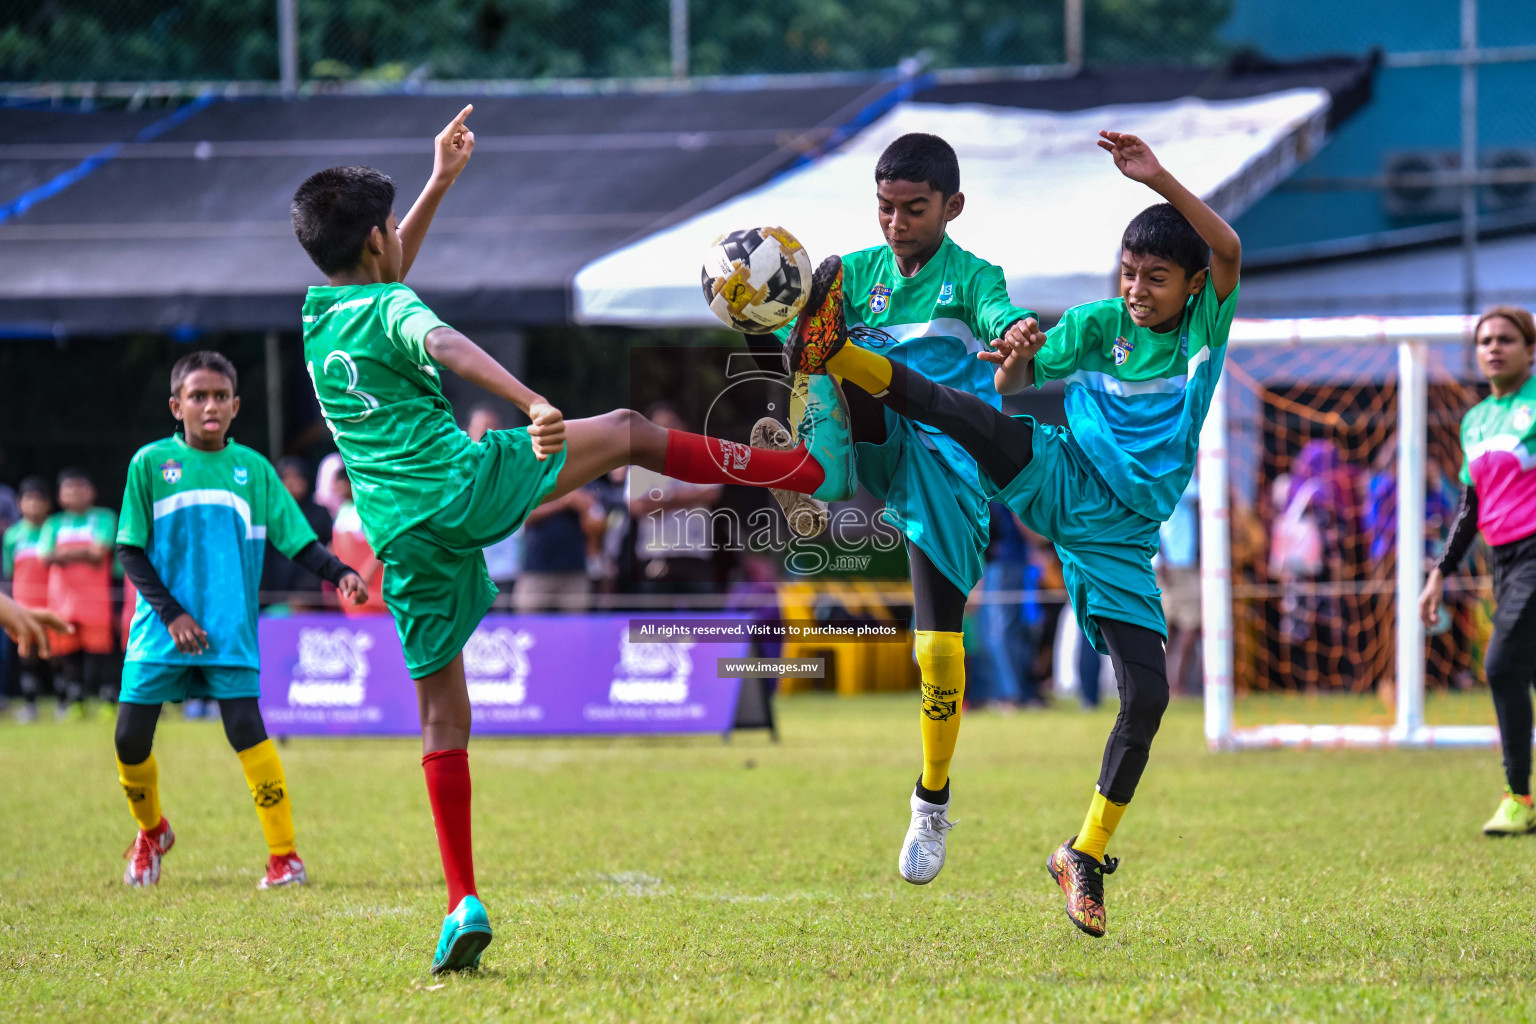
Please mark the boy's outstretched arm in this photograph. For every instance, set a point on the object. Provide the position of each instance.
(1014, 356)
(1137, 162)
(451, 151)
(457, 353)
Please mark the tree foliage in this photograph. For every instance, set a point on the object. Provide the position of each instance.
(132, 40)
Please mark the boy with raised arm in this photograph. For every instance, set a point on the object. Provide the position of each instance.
(431, 499)
(1140, 371)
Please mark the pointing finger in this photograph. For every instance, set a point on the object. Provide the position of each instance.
(458, 122)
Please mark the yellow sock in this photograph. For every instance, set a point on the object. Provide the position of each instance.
(264, 774)
(1103, 818)
(141, 785)
(941, 659)
(869, 370)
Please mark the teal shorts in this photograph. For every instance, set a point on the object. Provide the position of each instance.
(154, 682)
(435, 581)
(939, 513)
(1105, 548)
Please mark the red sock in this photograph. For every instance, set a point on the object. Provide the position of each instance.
(448, 789)
(696, 459)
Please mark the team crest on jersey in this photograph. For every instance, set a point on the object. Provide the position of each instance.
(947, 292)
(1523, 418)
(1123, 349)
(242, 475)
(879, 298)
(170, 471)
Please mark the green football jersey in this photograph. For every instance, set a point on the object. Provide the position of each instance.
(204, 520)
(1498, 444)
(365, 349)
(1135, 398)
(938, 319)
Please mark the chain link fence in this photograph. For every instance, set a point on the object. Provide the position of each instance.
(382, 40)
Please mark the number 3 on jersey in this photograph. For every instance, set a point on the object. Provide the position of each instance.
(349, 371)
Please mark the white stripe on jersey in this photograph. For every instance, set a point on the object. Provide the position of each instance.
(1109, 384)
(1503, 443)
(944, 328)
(212, 496)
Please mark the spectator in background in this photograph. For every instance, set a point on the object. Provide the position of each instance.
(28, 573)
(504, 559)
(281, 579)
(674, 545)
(1004, 623)
(326, 494)
(77, 545)
(1178, 574)
(10, 508)
(349, 544)
(556, 536)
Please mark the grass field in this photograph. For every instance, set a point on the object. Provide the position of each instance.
(693, 880)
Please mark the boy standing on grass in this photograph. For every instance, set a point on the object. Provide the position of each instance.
(430, 498)
(197, 514)
(76, 545)
(1140, 371)
(28, 573)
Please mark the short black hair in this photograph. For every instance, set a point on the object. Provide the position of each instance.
(923, 158)
(334, 210)
(35, 485)
(292, 464)
(1161, 230)
(202, 359)
(75, 473)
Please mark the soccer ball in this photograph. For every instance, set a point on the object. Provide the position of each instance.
(756, 280)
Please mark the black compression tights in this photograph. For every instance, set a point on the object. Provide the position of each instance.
(1141, 675)
(136, 723)
(1000, 444)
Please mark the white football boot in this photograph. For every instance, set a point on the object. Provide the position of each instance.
(807, 516)
(922, 851)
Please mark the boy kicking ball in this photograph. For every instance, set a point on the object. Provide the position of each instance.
(430, 498)
(197, 514)
(1140, 371)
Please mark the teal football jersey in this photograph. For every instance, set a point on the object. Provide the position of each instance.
(204, 519)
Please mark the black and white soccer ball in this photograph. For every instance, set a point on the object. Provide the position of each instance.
(756, 280)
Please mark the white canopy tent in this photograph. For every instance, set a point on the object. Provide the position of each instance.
(1042, 200)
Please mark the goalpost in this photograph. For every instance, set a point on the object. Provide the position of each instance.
(1301, 415)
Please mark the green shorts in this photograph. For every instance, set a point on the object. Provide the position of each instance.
(436, 584)
(154, 682)
(938, 512)
(1106, 549)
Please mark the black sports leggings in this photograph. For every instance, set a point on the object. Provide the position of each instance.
(1510, 662)
(1141, 674)
(937, 604)
(135, 736)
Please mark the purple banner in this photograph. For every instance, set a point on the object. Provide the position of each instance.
(327, 675)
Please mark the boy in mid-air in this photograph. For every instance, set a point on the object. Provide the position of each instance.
(28, 573)
(1140, 371)
(429, 497)
(197, 514)
(76, 545)
(928, 304)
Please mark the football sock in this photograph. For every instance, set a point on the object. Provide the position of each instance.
(941, 660)
(448, 788)
(141, 785)
(697, 459)
(264, 775)
(869, 370)
(1103, 818)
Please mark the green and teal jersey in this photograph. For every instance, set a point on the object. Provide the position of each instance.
(1136, 398)
(1498, 444)
(204, 519)
(365, 347)
(938, 318)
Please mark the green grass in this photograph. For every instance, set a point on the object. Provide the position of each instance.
(692, 880)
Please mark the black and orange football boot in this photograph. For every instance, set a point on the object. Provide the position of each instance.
(822, 329)
(1081, 878)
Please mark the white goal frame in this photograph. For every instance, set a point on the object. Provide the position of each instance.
(1411, 336)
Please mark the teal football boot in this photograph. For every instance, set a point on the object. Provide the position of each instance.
(466, 933)
(824, 428)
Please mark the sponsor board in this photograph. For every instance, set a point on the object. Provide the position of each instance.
(328, 675)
